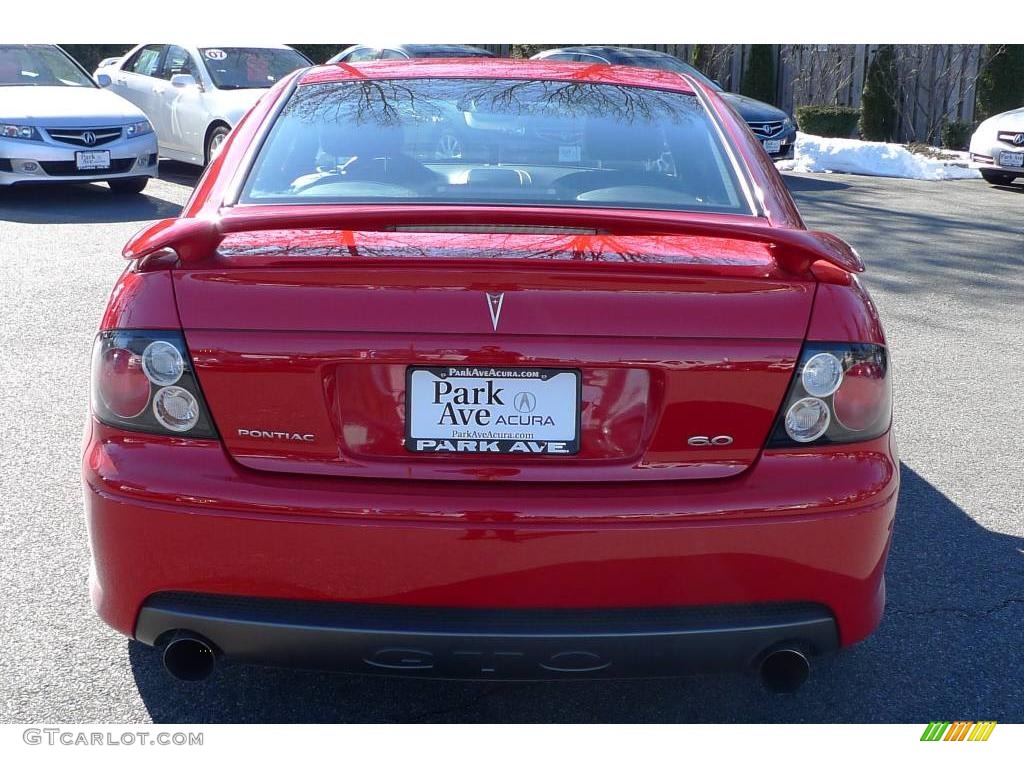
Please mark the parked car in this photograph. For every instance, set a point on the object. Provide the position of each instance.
(612, 412)
(56, 126)
(110, 60)
(773, 127)
(194, 95)
(997, 147)
(359, 53)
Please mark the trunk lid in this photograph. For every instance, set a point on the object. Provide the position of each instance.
(303, 342)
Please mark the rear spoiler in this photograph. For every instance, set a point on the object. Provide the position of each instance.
(195, 240)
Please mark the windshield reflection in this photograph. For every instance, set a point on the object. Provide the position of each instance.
(495, 141)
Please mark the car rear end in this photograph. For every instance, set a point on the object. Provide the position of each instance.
(483, 437)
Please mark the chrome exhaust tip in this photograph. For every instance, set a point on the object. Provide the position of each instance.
(188, 656)
(784, 670)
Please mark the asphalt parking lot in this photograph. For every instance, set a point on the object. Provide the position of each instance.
(946, 267)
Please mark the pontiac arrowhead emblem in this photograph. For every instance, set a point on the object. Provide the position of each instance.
(494, 301)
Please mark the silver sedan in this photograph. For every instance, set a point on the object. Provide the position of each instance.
(997, 147)
(57, 126)
(195, 94)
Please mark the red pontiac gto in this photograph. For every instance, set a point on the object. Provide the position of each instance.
(491, 369)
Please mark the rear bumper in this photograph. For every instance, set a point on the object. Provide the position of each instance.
(488, 643)
(169, 515)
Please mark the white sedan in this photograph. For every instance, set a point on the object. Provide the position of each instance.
(56, 126)
(997, 147)
(194, 95)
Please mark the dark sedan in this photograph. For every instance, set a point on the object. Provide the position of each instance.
(774, 128)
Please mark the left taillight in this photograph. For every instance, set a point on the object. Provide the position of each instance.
(841, 393)
(143, 381)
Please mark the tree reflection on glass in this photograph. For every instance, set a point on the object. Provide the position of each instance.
(495, 141)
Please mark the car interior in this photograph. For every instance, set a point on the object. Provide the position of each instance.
(519, 151)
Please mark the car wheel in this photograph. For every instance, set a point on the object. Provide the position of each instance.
(215, 141)
(997, 177)
(132, 186)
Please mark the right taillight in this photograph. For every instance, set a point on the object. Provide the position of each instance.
(143, 381)
(841, 393)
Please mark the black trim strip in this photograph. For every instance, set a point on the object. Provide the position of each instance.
(467, 643)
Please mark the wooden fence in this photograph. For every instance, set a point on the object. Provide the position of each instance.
(936, 82)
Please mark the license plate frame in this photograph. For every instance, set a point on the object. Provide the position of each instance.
(772, 146)
(93, 160)
(555, 393)
(1018, 159)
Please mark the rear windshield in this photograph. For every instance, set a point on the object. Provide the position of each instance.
(528, 142)
(237, 68)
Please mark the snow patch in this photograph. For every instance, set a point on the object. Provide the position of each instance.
(817, 154)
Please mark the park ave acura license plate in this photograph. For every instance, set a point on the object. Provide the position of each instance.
(479, 409)
(92, 160)
(1011, 159)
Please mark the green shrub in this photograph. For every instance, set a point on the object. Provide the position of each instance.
(91, 55)
(759, 75)
(956, 135)
(834, 121)
(879, 108)
(526, 50)
(700, 56)
(1001, 83)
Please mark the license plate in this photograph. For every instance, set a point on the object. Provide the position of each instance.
(479, 409)
(773, 146)
(87, 161)
(1011, 159)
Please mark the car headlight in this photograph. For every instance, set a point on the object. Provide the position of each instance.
(27, 132)
(788, 123)
(138, 129)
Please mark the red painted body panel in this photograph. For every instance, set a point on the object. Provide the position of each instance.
(439, 299)
(845, 313)
(711, 347)
(638, 408)
(803, 525)
(141, 300)
(309, 316)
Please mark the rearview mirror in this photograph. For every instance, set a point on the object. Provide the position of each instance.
(104, 81)
(182, 81)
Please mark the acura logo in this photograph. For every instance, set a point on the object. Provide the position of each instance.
(1018, 140)
(525, 402)
(88, 138)
(494, 301)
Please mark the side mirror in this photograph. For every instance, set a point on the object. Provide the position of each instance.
(182, 81)
(104, 81)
